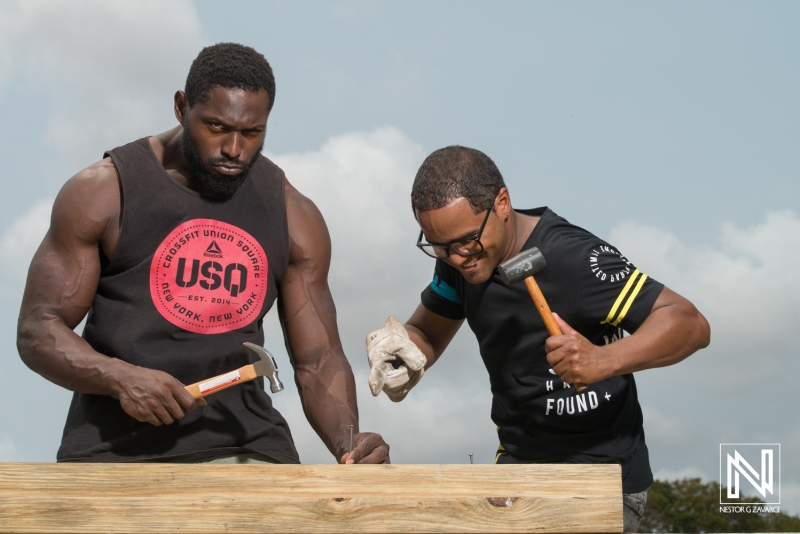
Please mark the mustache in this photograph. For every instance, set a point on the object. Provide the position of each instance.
(234, 162)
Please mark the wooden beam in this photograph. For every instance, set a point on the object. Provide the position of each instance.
(159, 497)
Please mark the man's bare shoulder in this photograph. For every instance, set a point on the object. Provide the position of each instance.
(309, 239)
(93, 179)
(300, 204)
(88, 203)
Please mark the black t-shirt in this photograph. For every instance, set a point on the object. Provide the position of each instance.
(599, 293)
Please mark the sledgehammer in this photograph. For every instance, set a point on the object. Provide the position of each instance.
(522, 267)
(265, 367)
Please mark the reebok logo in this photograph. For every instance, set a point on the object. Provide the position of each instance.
(213, 251)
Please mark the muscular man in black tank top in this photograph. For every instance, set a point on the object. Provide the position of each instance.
(176, 246)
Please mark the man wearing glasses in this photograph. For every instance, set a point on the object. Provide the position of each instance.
(469, 226)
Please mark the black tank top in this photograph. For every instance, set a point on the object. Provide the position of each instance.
(189, 281)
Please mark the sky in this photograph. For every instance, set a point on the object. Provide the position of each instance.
(669, 129)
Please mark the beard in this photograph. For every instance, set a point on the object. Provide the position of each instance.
(222, 186)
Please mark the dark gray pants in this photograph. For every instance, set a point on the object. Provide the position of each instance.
(633, 510)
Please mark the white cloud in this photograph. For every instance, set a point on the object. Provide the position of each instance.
(439, 422)
(22, 237)
(670, 430)
(112, 66)
(744, 285)
(361, 182)
(442, 421)
(739, 389)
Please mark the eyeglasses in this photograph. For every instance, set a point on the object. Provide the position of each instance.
(463, 247)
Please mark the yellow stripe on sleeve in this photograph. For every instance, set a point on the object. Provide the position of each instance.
(621, 297)
(630, 300)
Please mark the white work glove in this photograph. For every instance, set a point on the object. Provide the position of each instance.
(395, 363)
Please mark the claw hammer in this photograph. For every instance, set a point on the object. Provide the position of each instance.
(522, 267)
(266, 366)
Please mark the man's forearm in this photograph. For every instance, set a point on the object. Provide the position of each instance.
(431, 332)
(50, 348)
(673, 330)
(419, 339)
(328, 393)
(668, 335)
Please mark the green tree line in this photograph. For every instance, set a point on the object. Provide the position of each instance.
(689, 505)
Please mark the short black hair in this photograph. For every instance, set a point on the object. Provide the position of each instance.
(229, 65)
(454, 172)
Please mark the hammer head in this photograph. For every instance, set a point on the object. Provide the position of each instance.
(525, 264)
(266, 367)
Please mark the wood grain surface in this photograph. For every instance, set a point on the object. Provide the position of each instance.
(150, 497)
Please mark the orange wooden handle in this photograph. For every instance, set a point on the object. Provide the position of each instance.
(547, 316)
(542, 307)
(201, 389)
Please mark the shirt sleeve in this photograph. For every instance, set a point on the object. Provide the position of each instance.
(612, 290)
(440, 296)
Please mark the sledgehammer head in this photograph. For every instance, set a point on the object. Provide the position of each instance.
(525, 264)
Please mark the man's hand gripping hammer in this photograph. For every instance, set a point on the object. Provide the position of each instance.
(265, 367)
(522, 267)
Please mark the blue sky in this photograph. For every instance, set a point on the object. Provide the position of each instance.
(669, 128)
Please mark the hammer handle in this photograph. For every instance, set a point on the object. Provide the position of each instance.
(201, 389)
(547, 315)
(542, 307)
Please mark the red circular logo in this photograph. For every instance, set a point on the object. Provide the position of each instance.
(209, 277)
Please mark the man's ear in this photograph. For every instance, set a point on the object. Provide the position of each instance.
(181, 106)
(502, 204)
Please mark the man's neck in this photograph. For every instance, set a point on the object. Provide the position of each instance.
(523, 228)
(167, 148)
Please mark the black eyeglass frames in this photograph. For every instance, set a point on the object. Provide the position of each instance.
(463, 247)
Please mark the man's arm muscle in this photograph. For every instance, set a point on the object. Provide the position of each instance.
(61, 285)
(62, 280)
(673, 330)
(308, 315)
